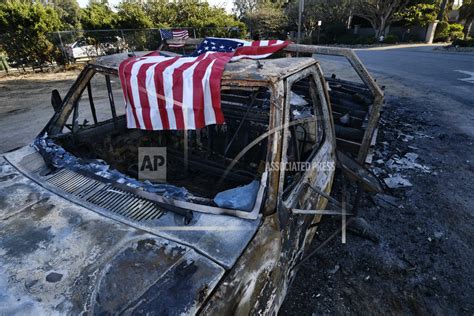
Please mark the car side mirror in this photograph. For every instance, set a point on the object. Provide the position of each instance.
(56, 100)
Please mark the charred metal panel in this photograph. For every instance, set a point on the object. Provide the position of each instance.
(258, 283)
(221, 237)
(16, 194)
(59, 258)
(362, 147)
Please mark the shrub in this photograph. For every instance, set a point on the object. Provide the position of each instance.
(464, 43)
(391, 39)
(446, 32)
(442, 32)
(456, 31)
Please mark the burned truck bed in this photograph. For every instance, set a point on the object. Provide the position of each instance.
(209, 150)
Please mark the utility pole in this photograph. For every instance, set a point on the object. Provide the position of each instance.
(300, 13)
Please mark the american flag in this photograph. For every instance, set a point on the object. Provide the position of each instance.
(240, 48)
(167, 34)
(180, 93)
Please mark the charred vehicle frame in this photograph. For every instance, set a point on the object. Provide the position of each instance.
(93, 239)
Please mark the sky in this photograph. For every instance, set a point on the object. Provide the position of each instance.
(227, 5)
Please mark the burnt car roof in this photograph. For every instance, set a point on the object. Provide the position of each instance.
(268, 70)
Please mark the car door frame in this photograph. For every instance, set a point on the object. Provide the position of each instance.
(297, 229)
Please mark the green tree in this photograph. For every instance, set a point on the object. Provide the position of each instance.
(379, 13)
(242, 7)
(23, 32)
(132, 15)
(419, 13)
(332, 13)
(98, 16)
(205, 19)
(69, 12)
(161, 13)
(265, 17)
(466, 13)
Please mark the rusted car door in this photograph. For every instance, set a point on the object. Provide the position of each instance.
(313, 167)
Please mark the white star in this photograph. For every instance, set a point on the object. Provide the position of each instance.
(221, 47)
(213, 47)
(212, 43)
(199, 51)
(206, 48)
(205, 42)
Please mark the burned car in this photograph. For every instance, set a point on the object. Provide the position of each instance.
(82, 234)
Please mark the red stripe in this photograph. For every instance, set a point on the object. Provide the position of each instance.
(255, 44)
(160, 90)
(198, 92)
(153, 53)
(143, 95)
(272, 42)
(260, 50)
(126, 73)
(178, 91)
(215, 85)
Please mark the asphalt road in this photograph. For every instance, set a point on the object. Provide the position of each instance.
(427, 68)
(422, 67)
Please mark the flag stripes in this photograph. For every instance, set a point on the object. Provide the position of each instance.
(178, 93)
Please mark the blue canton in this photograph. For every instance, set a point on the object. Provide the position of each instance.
(216, 45)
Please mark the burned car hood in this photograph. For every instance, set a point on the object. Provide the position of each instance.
(57, 256)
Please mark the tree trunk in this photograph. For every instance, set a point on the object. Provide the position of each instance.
(441, 10)
(380, 30)
(467, 28)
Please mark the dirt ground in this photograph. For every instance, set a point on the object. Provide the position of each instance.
(25, 103)
(416, 255)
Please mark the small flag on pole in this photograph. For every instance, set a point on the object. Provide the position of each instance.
(167, 34)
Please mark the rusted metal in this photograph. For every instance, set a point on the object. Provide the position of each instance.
(364, 75)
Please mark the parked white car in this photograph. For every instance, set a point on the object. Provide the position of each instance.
(81, 49)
